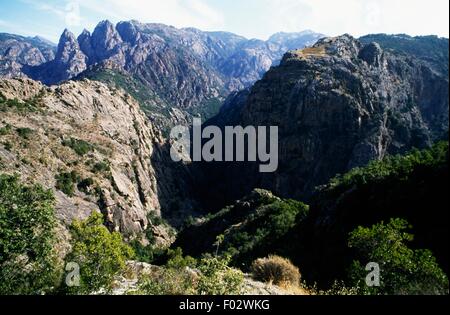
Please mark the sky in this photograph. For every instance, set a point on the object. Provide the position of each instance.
(249, 18)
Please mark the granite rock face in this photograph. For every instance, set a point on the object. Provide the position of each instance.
(69, 62)
(115, 176)
(338, 105)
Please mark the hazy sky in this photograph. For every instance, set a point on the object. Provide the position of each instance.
(250, 18)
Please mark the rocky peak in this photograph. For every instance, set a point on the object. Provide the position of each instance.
(68, 47)
(128, 31)
(372, 54)
(84, 40)
(105, 40)
(345, 46)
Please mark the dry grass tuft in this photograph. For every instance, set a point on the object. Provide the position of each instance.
(276, 270)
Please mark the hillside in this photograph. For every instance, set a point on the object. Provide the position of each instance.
(412, 187)
(338, 105)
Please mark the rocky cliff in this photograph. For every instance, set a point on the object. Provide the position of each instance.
(338, 105)
(92, 145)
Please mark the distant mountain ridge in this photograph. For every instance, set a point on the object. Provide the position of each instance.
(184, 66)
(17, 52)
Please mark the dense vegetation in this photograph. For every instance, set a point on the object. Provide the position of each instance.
(246, 231)
(28, 261)
(393, 213)
(80, 147)
(333, 232)
(100, 254)
(403, 271)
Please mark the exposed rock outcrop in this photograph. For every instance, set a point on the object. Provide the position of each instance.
(113, 171)
(69, 62)
(338, 105)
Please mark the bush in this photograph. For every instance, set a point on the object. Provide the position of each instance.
(276, 270)
(392, 166)
(100, 254)
(102, 167)
(86, 185)
(28, 263)
(5, 130)
(168, 282)
(25, 133)
(7, 145)
(66, 182)
(402, 270)
(80, 147)
(178, 261)
(217, 278)
(20, 106)
(213, 277)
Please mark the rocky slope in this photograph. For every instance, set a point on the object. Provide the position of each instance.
(92, 145)
(17, 52)
(338, 105)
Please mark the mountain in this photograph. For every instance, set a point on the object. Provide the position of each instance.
(93, 147)
(187, 69)
(94, 135)
(339, 104)
(69, 62)
(18, 51)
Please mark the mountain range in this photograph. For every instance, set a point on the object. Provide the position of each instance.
(186, 69)
(88, 119)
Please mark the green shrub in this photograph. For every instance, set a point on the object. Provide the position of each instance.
(100, 254)
(392, 166)
(86, 185)
(403, 270)
(6, 130)
(176, 260)
(28, 262)
(80, 147)
(66, 182)
(25, 133)
(263, 229)
(7, 145)
(102, 167)
(167, 282)
(276, 270)
(155, 219)
(217, 278)
(213, 277)
(15, 104)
